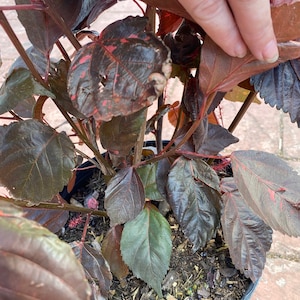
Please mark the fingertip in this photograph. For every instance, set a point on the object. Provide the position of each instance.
(270, 52)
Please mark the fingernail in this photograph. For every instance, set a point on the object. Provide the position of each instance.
(270, 52)
(240, 50)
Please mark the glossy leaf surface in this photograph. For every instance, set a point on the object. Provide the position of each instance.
(111, 251)
(120, 134)
(35, 264)
(94, 266)
(37, 22)
(247, 236)
(270, 187)
(19, 86)
(147, 174)
(44, 165)
(120, 73)
(146, 246)
(194, 196)
(217, 139)
(280, 87)
(124, 196)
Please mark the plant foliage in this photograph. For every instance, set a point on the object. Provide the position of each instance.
(103, 92)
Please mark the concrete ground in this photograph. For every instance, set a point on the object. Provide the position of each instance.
(262, 128)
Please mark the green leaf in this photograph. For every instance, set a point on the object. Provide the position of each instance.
(146, 246)
(147, 174)
(35, 160)
(19, 86)
(120, 134)
(35, 264)
(194, 196)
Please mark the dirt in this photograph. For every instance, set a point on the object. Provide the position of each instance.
(206, 274)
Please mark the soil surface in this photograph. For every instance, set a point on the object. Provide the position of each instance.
(206, 274)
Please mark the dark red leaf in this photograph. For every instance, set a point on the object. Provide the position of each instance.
(95, 267)
(168, 22)
(247, 236)
(41, 30)
(121, 73)
(52, 219)
(120, 134)
(222, 72)
(111, 251)
(124, 196)
(193, 190)
(270, 187)
(280, 87)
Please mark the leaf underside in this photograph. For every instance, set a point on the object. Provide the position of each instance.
(193, 189)
(146, 246)
(44, 165)
(247, 236)
(270, 187)
(280, 87)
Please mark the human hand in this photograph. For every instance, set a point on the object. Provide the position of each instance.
(236, 25)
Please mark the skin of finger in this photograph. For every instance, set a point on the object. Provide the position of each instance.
(215, 17)
(255, 24)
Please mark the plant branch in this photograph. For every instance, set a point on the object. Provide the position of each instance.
(250, 98)
(61, 23)
(14, 39)
(49, 205)
(106, 169)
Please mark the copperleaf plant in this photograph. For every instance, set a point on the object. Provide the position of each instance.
(104, 92)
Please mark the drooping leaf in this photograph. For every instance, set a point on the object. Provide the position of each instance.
(146, 246)
(270, 187)
(216, 140)
(90, 10)
(147, 174)
(280, 87)
(124, 196)
(52, 219)
(38, 59)
(247, 236)
(120, 73)
(36, 264)
(19, 86)
(35, 161)
(120, 134)
(194, 196)
(111, 251)
(94, 266)
(41, 29)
